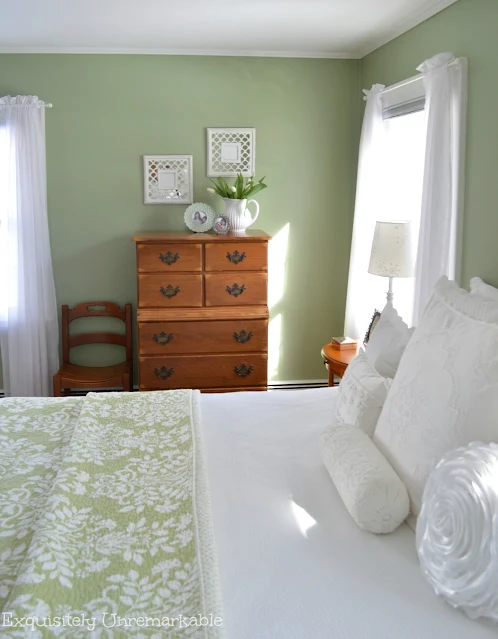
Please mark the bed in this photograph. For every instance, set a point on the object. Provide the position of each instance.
(292, 564)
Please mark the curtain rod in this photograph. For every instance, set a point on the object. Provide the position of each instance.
(48, 105)
(415, 78)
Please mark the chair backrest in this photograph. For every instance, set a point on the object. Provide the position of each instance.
(96, 309)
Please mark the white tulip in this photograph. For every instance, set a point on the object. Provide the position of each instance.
(210, 190)
(233, 189)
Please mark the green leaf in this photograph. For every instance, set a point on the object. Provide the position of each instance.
(239, 185)
(224, 188)
(216, 187)
(255, 189)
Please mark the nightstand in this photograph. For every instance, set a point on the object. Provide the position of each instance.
(337, 360)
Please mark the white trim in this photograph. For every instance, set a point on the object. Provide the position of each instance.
(403, 83)
(242, 53)
(403, 27)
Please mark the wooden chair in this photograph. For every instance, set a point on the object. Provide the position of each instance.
(74, 376)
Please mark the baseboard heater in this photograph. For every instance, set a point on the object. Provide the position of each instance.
(272, 386)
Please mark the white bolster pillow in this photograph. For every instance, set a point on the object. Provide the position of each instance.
(372, 492)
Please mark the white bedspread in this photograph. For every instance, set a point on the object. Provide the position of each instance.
(293, 564)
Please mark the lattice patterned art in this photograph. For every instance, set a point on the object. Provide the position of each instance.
(231, 151)
(168, 179)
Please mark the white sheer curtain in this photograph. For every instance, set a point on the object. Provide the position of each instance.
(29, 332)
(439, 250)
(410, 167)
(363, 288)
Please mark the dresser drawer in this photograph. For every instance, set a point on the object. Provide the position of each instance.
(237, 256)
(227, 336)
(169, 257)
(231, 289)
(166, 291)
(197, 371)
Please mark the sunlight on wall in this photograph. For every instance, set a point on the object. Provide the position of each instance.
(277, 264)
(304, 520)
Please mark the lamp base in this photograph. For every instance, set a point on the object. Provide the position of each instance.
(390, 294)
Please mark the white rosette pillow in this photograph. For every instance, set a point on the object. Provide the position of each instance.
(457, 530)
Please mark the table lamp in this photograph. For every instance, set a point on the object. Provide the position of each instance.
(392, 252)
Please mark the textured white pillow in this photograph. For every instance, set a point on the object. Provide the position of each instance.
(388, 342)
(362, 393)
(373, 494)
(445, 393)
(478, 287)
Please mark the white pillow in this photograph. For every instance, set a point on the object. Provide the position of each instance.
(362, 393)
(388, 342)
(478, 287)
(373, 494)
(445, 393)
(457, 531)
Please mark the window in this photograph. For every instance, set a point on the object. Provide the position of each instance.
(404, 173)
(403, 168)
(399, 170)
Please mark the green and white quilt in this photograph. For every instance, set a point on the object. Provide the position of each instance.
(105, 523)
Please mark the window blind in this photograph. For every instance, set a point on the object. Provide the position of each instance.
(403, 98)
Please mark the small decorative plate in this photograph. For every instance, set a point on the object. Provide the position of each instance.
(199, 217)
(221, 225)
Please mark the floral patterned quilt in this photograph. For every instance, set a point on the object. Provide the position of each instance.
(105, 523)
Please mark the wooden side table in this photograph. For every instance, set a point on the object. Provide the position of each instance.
(337, 360)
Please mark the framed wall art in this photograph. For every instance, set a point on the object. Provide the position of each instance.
(168, 179)
(230, 152)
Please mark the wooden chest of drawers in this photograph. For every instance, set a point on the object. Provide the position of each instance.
(202, 310)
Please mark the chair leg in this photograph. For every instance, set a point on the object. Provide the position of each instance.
(126, 382)
(57, 386)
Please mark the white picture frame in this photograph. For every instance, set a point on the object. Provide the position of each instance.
(231, 151)
(168, 179)
(199, 217)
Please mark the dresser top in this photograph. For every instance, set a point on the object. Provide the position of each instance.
(210, 236)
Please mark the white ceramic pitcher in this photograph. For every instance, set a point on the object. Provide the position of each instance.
(238, 214)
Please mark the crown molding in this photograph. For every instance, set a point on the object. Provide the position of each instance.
(403, 27)
(373, 44)
(242, 53)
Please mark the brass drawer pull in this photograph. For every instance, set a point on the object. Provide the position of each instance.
(169, 258)
(163, 372)
(236, 257)
(236, 290)
(243, 337)
(243, 371)
(163, 338)
(170, 291)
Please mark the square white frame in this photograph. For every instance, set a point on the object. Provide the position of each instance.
(244, 138)
(181, 166)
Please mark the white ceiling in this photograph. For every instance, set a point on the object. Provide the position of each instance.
(296, 28)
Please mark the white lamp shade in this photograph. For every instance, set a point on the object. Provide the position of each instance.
(392, 250)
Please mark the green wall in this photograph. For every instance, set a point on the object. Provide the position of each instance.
(468, 28)
(110, 110)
